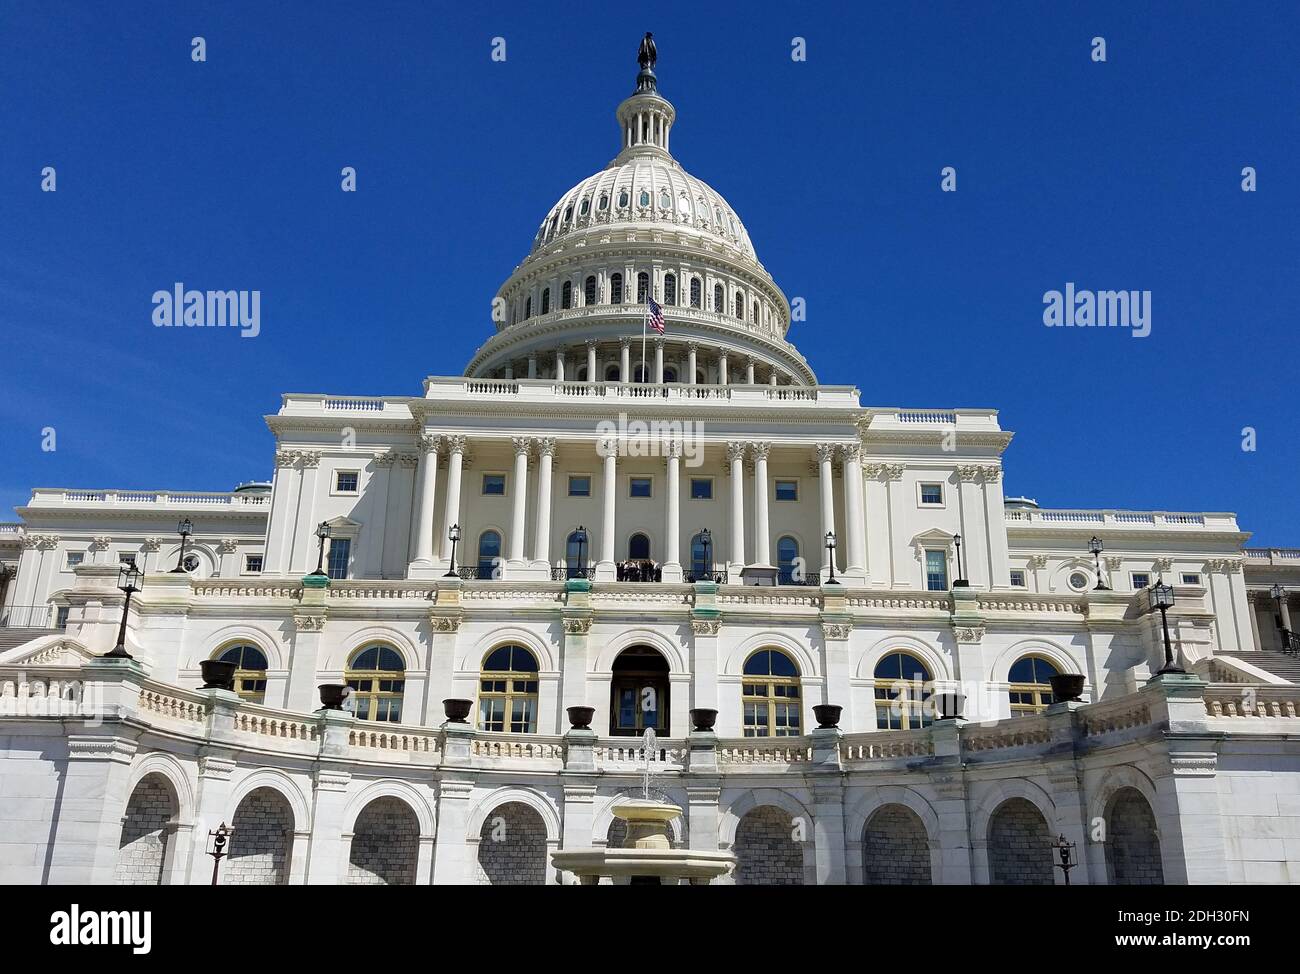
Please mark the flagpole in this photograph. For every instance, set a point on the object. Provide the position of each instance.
(645, 315)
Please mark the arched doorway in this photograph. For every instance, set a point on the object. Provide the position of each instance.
(260, 847)
(638, 692)
(385, 845)
(512, 847)
(146, 832)
(1020, 848)
(1133, 846)
(895, 849)
(767, 850)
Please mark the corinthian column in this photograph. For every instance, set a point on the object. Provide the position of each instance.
(542, 533)
(853, 514)
(451, 512)
(672, 567)
(605, 567)
(736, 458)
(515, 555)
(825, 453)
(426, 478)
(762, 529)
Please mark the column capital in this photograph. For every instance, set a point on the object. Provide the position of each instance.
(824, 452)
(429, 442)
(850, 452)
(735, 451)
(522, 445)
(672, 450)
(625, 342)
(592, 343)
(546, 446)
(759, 450)
(456, 444)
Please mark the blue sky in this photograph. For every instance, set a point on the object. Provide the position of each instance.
(225, 174)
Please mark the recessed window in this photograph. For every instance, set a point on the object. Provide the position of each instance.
(584, 207)
(936, 571)
(787, 490)
(1191, 578)
(932, 495)
(1030, 687)
(253, 564)
(604, 202)
(639, 487)
(494, 484)
(250, 671)
(345, 481)
(340, 555)
(770, 697)
(579, 486)
(1017, 578)
(701, 488)
(1078, 581)
(377, 679)
(645, 198)
(126, 558)
(1140, 580)
(75, 558)
(508, 691)
(623, 198)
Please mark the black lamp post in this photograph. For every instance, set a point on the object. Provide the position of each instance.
(706, 542)
(129, 580)
(1096, 548)
(322, 535)
(582, 553)
(184, 529)
(1065, 851)
(960, 581)
(1162, 598)
(220, 839)
(453, 535)
(830, 556)
(1279, 595)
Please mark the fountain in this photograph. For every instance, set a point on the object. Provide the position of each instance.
(647, 856)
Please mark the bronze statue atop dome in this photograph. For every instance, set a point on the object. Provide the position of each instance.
(647, 55)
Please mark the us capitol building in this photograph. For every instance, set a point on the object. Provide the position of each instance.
(574, 541)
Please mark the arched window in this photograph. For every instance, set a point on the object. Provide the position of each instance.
(575, 554)
(568, 213)
(555, 222)
(695, 292)
(604, 202)
(566, 295)
(623, 198)
(489, 554)
(670, 374)
(702, 557)
(787, 561)
(670, 289)
(644, 199)
(738, 306)
(642, 287)
(902, 692)
(1030, 691)
(611, 373)
(589, 290)
(616, 289)
(546, 301)
(665, 201)
(640, 373)
(250, 671)
(528, 307)
(719, 299)
(584, 207)
(638, 547)
(770, 695)
(754, 313)
(377, 677)
(639, 690)
(507, 698)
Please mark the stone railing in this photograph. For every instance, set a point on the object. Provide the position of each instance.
(739, 393)
(41, 692)
(60, 497)
(1235, 700)
(1120, 520)
(1277, 557)
(265, 722)
(1030, 731)
(394, 737)
(886, 746)
(517, 747)
(764, 753)
(615, 756)
(1109, 716)
(268, 588)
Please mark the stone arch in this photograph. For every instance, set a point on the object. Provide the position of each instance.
(384, 850)
(1132, 846)
(1057, 655)
(175, 773)
(278, 781)
(354, 642)
(263, 824)
(896, 848)
(148, 825)
(730, 835)
(471, 661)
(391, 788)
(767, 853)
(1019, 845)
(513, 846)
(803, 656)
(251, 635)
(855, 823)
(1058, 581)
(604, 662)
(936, 662)
(535, 800)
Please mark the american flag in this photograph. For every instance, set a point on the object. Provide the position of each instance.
(656, 318)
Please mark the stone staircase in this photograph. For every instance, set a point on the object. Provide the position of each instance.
(1282, 665)
(9, 638)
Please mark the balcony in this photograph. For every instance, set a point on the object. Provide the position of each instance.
(1083, 520)
(46, 498)
(1272, 557)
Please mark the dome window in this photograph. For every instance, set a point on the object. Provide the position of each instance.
(754, 315)
(683, 205)
(555, 222)
(623, 199)
(604, 202)
(589, 290)
(665, 201)
(568, 213)
(546, 301)
(642, 287)
(528, 307)
(695, 292)
(566, 296)
(616, 289)
(645, 197)
(717, 215)
(584, 207)
(719, 299)
(670, 289)
(738, 306)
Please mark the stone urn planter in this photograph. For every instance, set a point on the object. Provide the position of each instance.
(703, 719)
(331, 695)
(828, 715)
(948, 706)
(1066, 686)
(457, 709)
(218, 675)
(580, 717)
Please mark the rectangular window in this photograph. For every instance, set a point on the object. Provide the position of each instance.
(61, 617)
(936, 571)
(1017, 578)
(75, 558)
(1191, 578)
(787, 490)
(701, 488)
(253, 564)
(579, 485)
(340, 550)
(345, 481)
(1140, 580)
(639, 487)
(494, 483)
(126, 558)
(932, 495)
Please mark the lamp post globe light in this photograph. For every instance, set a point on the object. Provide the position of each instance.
(218, 842)
(830, 556)
(129, 579)
(322, 536)
(706, 542)
(185, 528)
(960, 581)
(1096, 547)
(1065, 852)
(1162, 598)
(580, 570)
(453, 535)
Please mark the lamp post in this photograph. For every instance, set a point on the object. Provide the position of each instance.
(582, 553)
(1283, 616)
(1162, 598)
(1065, 851)
(1095, 546)
(322, 535)
(830, 556)
(960, 581)
(219, 839)
(185, 528)
(706, 542)
(453, 535)
(129, 580)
